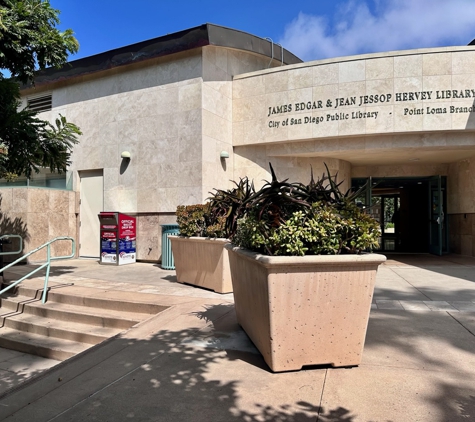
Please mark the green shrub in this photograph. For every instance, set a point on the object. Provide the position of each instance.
(195, 220)
(321, 230)
(190, 219)
(284, 218)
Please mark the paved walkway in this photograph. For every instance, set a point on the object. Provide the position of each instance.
(192, 362)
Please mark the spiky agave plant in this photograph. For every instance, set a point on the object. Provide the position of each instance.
(230, 204)
(277, 204)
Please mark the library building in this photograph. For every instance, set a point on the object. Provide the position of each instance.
(165, 121)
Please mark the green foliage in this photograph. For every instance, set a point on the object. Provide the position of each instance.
(196, 220)
(190, 219)
(285, 218)
(29, 39)
(29, 143)
(321, 230)
(230, 204)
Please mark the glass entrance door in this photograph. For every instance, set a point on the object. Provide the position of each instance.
(411, 211)
(437, 223)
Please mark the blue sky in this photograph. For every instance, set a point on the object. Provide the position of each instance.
(311, 29)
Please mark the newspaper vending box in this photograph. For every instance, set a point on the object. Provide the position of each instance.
(118, 238)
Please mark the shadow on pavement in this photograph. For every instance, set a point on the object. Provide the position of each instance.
(166, 377)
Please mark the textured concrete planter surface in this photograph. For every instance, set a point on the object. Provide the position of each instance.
(309, 310)
(203, 262)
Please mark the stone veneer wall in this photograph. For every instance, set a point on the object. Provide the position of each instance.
(253, 162)
(407, 170)
(173, 114)
(461, 195)
(462, 233)
(149, 235)
(38, 215)
(404, 93)
(151, 109)
(219, 67)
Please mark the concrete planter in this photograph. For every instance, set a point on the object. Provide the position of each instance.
(308, 310)
(202, 262)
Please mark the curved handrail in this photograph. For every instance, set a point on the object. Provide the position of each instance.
(7, 236)
(272, 43)
(47, 264)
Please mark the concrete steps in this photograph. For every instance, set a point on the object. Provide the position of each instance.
(49, 327)
(36, 344)
(72, 320)
(72, 313)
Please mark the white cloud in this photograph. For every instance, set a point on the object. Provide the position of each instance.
(389, 25)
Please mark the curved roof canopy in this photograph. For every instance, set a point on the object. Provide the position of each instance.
(200, 36)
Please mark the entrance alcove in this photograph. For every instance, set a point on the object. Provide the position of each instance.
(411, 212)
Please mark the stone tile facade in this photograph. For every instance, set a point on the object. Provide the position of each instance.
(174, 116)
(38, 215)
(462, 233)
(420, 108)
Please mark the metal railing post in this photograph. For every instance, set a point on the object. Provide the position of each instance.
(48, 258)
(47, 264)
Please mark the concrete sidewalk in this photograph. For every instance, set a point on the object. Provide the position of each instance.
(192, 362)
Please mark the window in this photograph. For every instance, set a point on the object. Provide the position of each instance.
(39, 104)
(43, 179)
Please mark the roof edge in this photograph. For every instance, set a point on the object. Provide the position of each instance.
(185, 40)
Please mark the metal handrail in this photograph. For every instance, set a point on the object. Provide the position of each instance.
(272, 43)
(47, 264)
(8, 236)
(271, 50)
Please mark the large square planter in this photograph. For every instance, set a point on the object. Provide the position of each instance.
(309, 310)
(203, 262)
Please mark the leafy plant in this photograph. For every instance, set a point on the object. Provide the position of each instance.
(29, 40)
(230, 204)
(285, 218)
(322, 230)
(196, 220)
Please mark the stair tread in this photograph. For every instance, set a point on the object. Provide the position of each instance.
(56, 324)
(34, 286)
(37, 340)
(84, 310)
(72, 320)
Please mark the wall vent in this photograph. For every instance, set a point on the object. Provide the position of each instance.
(39, 104)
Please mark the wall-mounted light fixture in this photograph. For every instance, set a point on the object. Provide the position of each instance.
(224, 154)
(125, 154)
